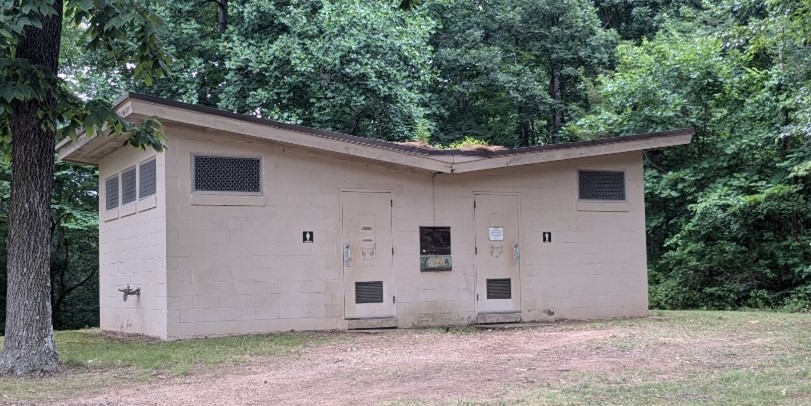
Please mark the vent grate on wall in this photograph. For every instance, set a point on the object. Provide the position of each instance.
(369, 292)
(227, 174)
(111, 191)
(147, 185)
(602, 185)
(128, 191)
(499, 288)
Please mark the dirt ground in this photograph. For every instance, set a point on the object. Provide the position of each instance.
(393, 366)
(437, 367)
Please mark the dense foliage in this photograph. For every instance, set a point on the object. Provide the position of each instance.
(729, 217)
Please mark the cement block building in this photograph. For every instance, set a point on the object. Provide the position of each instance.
(246, 225)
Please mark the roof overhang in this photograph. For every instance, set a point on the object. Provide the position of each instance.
(135, 107)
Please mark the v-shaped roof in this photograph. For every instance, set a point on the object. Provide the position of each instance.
(134, 106)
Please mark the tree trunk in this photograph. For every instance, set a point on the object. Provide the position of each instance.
(555, 93)
(29, 344)
(222, 15)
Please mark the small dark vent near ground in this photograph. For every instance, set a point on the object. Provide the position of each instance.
(499, 288)
(369, 292)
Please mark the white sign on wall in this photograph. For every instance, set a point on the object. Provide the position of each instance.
(496, 233)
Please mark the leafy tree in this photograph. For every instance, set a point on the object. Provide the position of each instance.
(515, 71)
(349, 66)
(728, 215)
(34, 103)
(74, 246)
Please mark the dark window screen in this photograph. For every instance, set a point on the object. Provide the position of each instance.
(602, 185)
(111, 193)
(227, 174)
(147, 183)
(128, 191)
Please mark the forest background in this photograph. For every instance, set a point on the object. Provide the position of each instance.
(728, 217)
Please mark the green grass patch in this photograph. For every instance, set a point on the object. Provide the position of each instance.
(90, 348)
(93, 361)
(762, 358)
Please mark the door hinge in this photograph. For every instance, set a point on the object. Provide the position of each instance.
(391, 203)
(476, 250)
(392, 250)
(394, 299)
(477, 297)
(474, 204)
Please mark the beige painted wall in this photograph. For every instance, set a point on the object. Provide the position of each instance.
(237, 265)
(132, 251)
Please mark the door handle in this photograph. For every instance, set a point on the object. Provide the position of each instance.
(516, 253)
(347, 255)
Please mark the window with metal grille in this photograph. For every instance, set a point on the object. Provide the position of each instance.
(227, 174)
(602, 185)
(111, 192)
(435, 241)
(369, 292)
(128, 186)
(499, 288)
(148, 176)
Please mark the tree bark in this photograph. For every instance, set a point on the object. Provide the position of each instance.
(29, 344)
(555, 93)
(222, 15)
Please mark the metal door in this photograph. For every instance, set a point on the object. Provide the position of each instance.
(498, 255)
(367, 254)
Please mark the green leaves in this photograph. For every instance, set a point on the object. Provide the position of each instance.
(96, 115)
(728, 224)
(16, 16)
(128, 31)
(129, 34)
(351, 66)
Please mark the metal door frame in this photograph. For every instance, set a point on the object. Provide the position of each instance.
(340, 243)
(476, 245)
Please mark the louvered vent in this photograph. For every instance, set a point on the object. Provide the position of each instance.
(499, 289)
(111, 190)
(602, 185)
(369, 292)
(128, 191)
(147, 185)
(227, 174)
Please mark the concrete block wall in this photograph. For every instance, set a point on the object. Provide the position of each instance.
(132, 251)
(239, 266)
(596, 264)
(217, 264)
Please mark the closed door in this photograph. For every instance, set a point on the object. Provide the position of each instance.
(498, 254)
(367, 255)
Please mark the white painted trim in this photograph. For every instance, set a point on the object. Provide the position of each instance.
(603, 205)
(255, 130)
(220, 199)
(109, 215)
(127, 209)
(90, 150)
(149, 202)
(571, 153)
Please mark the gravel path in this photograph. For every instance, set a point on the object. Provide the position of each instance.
(400, 367)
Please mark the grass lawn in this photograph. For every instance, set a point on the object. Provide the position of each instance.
(93, 361)
(718, 358)
(682, 357)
